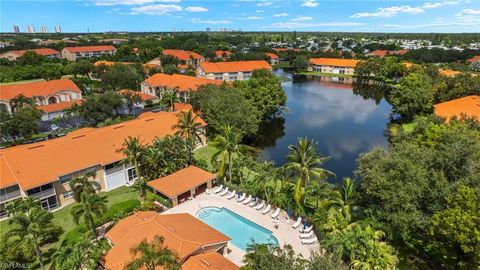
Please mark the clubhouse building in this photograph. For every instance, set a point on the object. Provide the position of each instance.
(333, 65)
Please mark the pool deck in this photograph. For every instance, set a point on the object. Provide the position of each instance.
(285, 234)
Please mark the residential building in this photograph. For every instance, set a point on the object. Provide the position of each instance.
(332, 65)
(47, 52)
(383, 53)
(53, 97)
(43, 170)
(5, 44)
(44, 30)
(468, 106)
(16, 29)
(58, 29)
(223, 54)
(273, 58)
(74, 53)
(30, 29)
(182, 85)
(183, 185)
(197, 245)
(231, 71)
(185, 57)
(114, 41)
(475, 59)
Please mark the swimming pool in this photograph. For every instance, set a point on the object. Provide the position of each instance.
(242, 231)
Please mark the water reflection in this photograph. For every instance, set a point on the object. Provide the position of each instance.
(344, 121)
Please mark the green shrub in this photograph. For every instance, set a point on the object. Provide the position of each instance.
(119, 210)
(150, 196)
(74, 236)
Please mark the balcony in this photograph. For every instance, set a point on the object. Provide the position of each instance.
(43, 193)
(9, 196)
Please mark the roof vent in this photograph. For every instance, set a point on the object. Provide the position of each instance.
(171, 229)
(36, 146)
(149, 119)
(205, 262)
(79, 136)
(117, 127)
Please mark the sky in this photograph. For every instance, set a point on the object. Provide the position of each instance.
(247, 15)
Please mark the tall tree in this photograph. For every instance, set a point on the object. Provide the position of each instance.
(89, 207)
(83, 184)
(20, 101)
(169, 98)
(413, 96)
(304, 164)
(152, 255)
(188, 127)
(133, 149)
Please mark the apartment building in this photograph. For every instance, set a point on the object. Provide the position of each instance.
(333, 65)
(230, 71)
(185, 57)
(47, 52)
(53, 97)
(273, 58)
(223, 54)
(74, 53)
(182, 85)
(383, 53)
(43, 170)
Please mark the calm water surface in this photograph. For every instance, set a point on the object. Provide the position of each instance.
(345, 122)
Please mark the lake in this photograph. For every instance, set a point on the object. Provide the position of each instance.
(344, 121)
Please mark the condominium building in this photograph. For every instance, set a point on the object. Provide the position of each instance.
(182, 85)
(273, 58)
(44, 30)
(58, 29)
(383, 53)
(30, 29)
(185, 57)
(47, 52)
(16, 29)
(230, 71)
(74, 53)
(53, 97)
(332, 65)
(43, 170)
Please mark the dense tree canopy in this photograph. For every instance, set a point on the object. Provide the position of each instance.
(413, 96)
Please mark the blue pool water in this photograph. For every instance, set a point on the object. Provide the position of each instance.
(242, 231)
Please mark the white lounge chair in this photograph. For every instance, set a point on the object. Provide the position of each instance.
(223, 193)
(307, 235)
(231, 195)
(207, 191)
(297, 223)
(309, 241)
(242, 197)
(253, 203)
(248, 199)
(266, 210)
(218, 189)
(307, 230)
(260, 206)
(276, 213)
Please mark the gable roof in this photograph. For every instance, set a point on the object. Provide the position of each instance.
(181, 54)
(182, 233)
(208, 261)
(36, 164)
(237, 66)
(41, 51)
(59, 106)
(337, 62)
(469, 106)
(90, 48)
(179, 82)
(142, 95)
(272, 55)
(222, 53)
(37, 89)
(474, 59)
(181, 181)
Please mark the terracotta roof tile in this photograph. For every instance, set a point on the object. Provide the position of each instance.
(90, 48)
(474, 59)
(34, 89)
(180, 82)
(469, 106)
(449, 72)
(272, 55)
(40, 163)
(209, 261)
(221, 54)
(238, 66)
(142, 95)
(181, 181)
(60, 106)
(41, 51)
(182, 106)
(338, 62)
(181, 54)
(182, 233)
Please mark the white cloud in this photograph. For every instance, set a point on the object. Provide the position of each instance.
(196, 20)
(260, 11)
(196, 9)
(253, 18)
(302, 19)
(156, 9)
(469, 12)
(129, 2)
(387, 12)
(293, 25)
(284, 14)
(264, 4)
(309, 3)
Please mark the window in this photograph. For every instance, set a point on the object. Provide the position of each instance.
(132, 174)
(49, 203)
(68, 194)
(65, 179)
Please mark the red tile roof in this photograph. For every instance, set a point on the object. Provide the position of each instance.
(285, 49)
(181, 54)
(469, 106)
(90, 48)
(40, 163)
(382, 53)
(182, 106)
(181, 181)
(448, 72)
(182, 233)
(179, 82)
(221, 54)
(474, 59)
(58, 107)
(238, 66)
(142, 95)
(209, 261)
(41, 51)
(37, 89)
(272, 55)
(336, 62)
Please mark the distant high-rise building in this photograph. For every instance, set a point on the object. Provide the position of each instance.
(16, 29)
(58, 29)
(44, 29)
(30, 29)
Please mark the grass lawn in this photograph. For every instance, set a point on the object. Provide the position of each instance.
(324, 74)
(206, 154)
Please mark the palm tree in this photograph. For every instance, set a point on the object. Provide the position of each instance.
(371, 253)
(343, 197)
(169, 97)
(316, 191)
(81, 255)
(304, 163)
(20, 100)
(228, 145)
(83, 184)
(32, 225)
(133, 149)
(89, 207)
(152, 255)
(187, 128)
